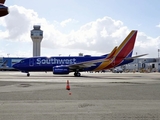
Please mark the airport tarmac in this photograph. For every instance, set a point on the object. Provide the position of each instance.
(94, 96)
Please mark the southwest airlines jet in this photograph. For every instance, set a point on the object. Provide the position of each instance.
(64, 65)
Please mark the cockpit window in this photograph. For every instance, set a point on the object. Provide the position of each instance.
(22, 61)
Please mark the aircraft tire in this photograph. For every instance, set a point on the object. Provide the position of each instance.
(77, 74)
(28, 74)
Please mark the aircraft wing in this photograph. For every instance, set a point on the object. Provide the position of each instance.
(92, 62)
(86, 63)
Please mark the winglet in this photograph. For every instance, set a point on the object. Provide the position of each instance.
(112, 53)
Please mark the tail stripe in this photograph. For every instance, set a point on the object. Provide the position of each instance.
(127, 45)
(124, 50)
(109, 57)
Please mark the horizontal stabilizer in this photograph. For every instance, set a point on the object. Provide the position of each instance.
(135, 57)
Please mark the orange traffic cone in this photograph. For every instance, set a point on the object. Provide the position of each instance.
(67, 86)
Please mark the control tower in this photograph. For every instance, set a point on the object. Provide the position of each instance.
(36, 36)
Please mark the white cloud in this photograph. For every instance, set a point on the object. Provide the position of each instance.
(95, 38)
(147, 44)
(63, 23)
(158, 25)
(104, 33)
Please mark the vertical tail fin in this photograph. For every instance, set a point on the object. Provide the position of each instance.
(126, 47)
(120, 53)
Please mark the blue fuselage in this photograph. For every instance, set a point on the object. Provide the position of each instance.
(47, 63)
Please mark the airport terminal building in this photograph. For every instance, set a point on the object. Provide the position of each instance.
(143, 65)
(7, 62)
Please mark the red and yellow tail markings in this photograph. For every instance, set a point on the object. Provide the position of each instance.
(127, 45)
(108, 60)
(118, 54)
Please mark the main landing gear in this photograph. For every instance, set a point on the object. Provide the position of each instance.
(77, 74)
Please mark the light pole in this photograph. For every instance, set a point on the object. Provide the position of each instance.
(137, 63)
(158, 54)
(8, 54)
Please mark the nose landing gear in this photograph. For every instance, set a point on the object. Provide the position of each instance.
(28, 74)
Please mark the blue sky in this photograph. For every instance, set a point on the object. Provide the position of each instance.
(64, 23)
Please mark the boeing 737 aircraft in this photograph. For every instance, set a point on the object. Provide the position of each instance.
(3, 8)
(64, 65)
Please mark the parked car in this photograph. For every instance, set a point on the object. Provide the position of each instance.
(117, 70)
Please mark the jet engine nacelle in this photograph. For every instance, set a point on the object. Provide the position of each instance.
(60, 70)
